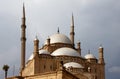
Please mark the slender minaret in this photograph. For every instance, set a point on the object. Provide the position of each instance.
(23, 40)
(72, 33)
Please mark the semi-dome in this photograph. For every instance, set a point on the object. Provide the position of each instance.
(40, 52)
(43, 52)
(90, 56)
(65, 51)
(73, 65)
(59, 38)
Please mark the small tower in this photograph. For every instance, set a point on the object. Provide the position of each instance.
(36, 56)
(72, 33)
(48, 41)
(101, 62)
(23, 40)
(101, 56)
(36, 46)
(79, 47)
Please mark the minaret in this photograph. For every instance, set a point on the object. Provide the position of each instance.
(72, 33)
(23, 41)
(101, 63)
(101, 56)
(36, 56)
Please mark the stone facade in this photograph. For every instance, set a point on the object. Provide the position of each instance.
(58, 58)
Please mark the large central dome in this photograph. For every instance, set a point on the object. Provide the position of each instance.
(65, 52)
(59, 38)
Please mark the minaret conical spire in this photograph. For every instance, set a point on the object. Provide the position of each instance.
(72, 24)
(23, 40)
(72, 33)
(23, 18)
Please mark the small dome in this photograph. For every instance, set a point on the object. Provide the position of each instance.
(65, 51)
(90, 56)
(40, 52)
(73, 64)
(100, 47)
(43, 52)
(59, 38)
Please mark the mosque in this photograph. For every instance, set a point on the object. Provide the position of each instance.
(58, 58)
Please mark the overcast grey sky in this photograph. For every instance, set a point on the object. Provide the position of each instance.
(96, 22)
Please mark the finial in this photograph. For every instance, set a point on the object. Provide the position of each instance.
(72, 20)
(58, 31)
(48, 37)
(88, 51)
(36, 38)
(78, 42)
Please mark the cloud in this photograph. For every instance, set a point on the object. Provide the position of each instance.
(114, 69)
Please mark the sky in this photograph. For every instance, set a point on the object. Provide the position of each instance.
(96, 22)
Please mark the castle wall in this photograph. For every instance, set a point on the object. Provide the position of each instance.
(52, 75)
